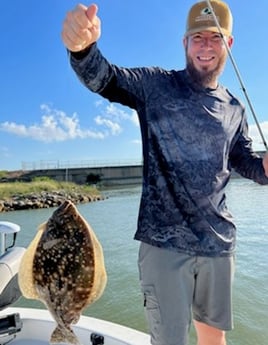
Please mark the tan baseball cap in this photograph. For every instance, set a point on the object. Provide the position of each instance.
(200, 18)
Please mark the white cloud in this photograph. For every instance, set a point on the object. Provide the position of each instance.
(134, 118)
(114, 127)
(118, 114)
(256, 137)
(56, 125)
(51, 129)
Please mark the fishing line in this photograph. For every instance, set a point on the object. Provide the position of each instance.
(238, 75)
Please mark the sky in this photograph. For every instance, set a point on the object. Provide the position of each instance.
(48, 118)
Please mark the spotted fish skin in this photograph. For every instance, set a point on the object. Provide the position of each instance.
(67, 269)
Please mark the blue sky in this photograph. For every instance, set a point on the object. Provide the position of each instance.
(47, 117)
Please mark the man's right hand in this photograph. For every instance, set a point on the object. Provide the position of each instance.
(81, 28)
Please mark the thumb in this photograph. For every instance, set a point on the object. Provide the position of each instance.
(91, 12)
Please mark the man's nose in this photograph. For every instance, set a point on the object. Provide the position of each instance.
(206, 41)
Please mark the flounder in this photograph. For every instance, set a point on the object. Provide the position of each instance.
(64, 268)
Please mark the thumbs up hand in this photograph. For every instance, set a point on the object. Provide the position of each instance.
(81, 27)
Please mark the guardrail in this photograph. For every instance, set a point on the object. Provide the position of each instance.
(56, 164)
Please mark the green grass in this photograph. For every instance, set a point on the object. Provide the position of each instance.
(38, 185)
(3, 173)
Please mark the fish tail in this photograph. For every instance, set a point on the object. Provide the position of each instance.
(64, 335)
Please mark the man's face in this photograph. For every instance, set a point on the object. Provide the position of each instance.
(206, 55)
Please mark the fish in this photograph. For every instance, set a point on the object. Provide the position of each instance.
(64, 268)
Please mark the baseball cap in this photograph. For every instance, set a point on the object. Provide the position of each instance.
(200, 18)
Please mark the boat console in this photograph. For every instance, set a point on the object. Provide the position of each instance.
(10, 258)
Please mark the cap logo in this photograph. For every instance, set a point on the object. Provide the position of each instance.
(205, 11)
(205, 15)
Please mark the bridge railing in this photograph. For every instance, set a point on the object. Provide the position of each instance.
(57, 164)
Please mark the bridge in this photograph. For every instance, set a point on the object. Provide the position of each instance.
(108, 173)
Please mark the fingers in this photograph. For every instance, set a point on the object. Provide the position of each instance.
(81, 27)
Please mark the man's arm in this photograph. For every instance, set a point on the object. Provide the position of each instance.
(245, 161)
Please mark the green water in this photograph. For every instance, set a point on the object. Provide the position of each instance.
(114, 221)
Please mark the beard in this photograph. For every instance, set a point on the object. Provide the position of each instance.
(205, 77)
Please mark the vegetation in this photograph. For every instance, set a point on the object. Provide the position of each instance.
(41, 184)
(3, 173)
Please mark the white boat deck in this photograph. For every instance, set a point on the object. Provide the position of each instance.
(38, 326)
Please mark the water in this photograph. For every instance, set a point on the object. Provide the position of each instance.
(114, 221)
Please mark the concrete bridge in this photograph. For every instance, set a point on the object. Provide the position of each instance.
(106, 175)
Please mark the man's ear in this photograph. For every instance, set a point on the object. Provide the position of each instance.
(185, 42)
(230, 41)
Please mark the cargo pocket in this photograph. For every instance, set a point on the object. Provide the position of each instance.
(152, 310)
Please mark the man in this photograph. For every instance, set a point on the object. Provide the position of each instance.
(194, 131)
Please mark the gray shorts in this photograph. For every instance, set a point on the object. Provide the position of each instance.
(178, 287)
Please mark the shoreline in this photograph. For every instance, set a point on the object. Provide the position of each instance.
(45, 200)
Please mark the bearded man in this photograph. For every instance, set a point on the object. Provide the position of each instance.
(194, 132)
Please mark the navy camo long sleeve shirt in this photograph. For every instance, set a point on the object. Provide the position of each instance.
(192, 138)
